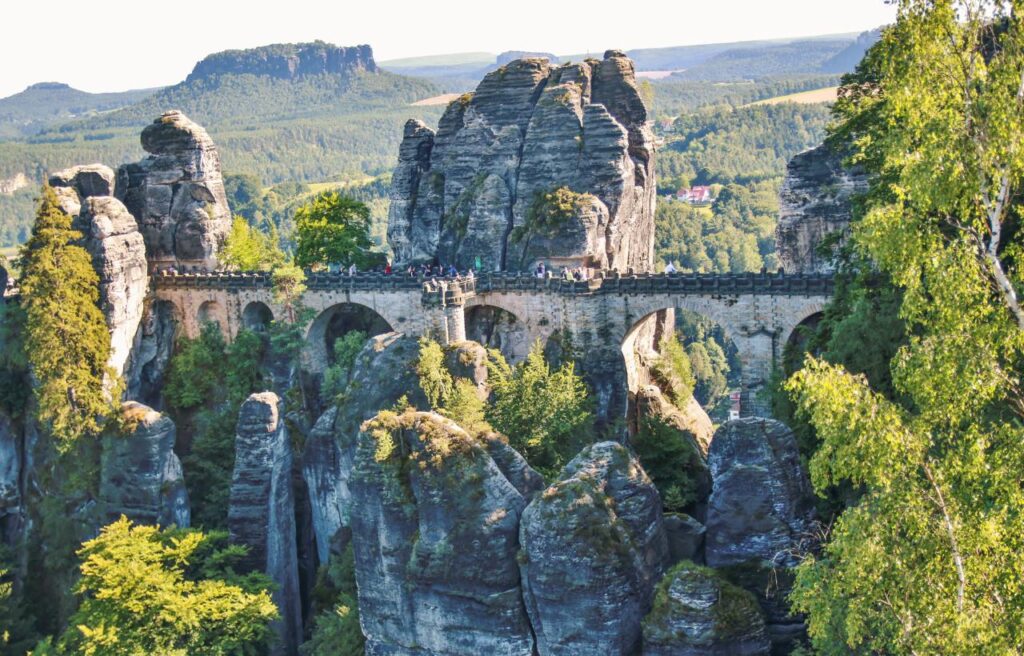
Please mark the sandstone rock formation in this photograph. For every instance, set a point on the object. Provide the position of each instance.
(383, 372)
(815, 201)
(141, 476)
(762, 504)
(261, 514)
(11, 460)
(697, 613)
(151, 355)
(286, 61)
(760, 516)
(435, 527)
(73, 185)
(593, 548)
(176, 194)
(119, 257)
(540, 163)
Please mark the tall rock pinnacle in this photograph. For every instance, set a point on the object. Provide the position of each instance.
(177, 193)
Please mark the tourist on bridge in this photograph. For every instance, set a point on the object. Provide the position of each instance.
(352, 269)
(670, 268)
(387, 268)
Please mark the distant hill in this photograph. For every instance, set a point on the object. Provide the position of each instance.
(47, 103)
(787, 59)
(302, 112)
(847, 59)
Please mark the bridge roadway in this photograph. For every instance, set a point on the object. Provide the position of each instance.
(604, 319)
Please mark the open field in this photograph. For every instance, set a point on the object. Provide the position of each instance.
(434, 101)
(828, 94)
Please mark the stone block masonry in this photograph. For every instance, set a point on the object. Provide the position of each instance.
(600, 319)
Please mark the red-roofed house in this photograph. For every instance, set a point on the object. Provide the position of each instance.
(699, 195)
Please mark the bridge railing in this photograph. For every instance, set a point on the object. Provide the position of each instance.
(603, 282)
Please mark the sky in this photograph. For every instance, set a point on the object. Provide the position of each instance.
(115, 45)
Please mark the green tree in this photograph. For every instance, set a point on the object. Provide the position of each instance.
(207, 381)
(927, 561)
(336, 629)
(248, 249)
(332, 229)
(547, 415)
(141, 594)
(66, 338)
(336, 377)
(672, 371)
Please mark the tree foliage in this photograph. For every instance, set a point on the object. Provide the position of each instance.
(336, 629)
(141, 594)
(206, 383)
(333, 229)
(66, 338)
(927, 561)
(545, 413)
(249, 249)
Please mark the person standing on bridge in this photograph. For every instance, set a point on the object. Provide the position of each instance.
(670, 268)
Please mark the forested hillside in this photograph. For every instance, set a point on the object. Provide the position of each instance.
(743, 152)
(48, 103)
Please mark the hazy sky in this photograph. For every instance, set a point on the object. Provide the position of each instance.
(113, 45)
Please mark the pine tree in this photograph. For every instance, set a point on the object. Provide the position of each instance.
(66, 338)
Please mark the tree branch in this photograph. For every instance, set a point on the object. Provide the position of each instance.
(958, 561)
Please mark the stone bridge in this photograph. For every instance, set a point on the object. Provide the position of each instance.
(598, 321)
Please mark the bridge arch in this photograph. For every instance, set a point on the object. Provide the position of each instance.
(500, 328)
(334, 322)
(257, 316)
(211, 311)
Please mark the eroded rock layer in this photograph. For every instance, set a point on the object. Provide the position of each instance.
(541, 163)
(816, 201)
(177, 194)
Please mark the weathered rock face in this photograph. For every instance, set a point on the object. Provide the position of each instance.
(261, 514)
(760, 516)
(287, 61)
(383, 372)
(697, 613)
(141, 476)
(177, 193)
(762, 504)
(685, 538)
(435, 532)
(75, 184)
(479, 189)
(154, 346)
(594, 546)
(119, 257)
(815, 201)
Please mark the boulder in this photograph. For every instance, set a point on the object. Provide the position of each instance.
(540, 163)
(112, 237)
(177, 194)
(698, 613)
(435, 534)
(594, 546)
(815, 201)
(140, 475)
(261, 514)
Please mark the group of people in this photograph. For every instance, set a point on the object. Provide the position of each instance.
(568, 273)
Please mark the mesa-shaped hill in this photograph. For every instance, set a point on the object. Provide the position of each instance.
(303, 112)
